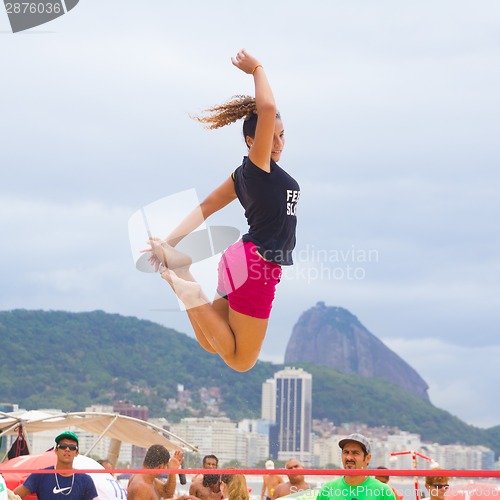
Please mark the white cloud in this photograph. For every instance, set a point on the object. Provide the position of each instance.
(462, 380)
(390, 110)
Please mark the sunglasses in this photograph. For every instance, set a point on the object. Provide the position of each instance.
(439, 486)
(72, 447)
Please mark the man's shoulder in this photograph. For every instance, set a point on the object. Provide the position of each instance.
(198, 490)
(38, 474)
(284, 485)
(195, 486)
(281, 490)
(138, 488)
(136, 483)
(35, 478)
(87, 481)
(198, 485)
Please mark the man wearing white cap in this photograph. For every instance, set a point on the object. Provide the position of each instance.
(355, 455)
(269, 482)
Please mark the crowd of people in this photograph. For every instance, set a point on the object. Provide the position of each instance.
(355, 453)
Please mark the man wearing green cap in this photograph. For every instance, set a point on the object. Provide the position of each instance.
(63, 484)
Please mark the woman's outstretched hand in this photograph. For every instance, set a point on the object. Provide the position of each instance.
(245, 62)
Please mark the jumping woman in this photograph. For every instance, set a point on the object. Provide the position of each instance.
(235, 323)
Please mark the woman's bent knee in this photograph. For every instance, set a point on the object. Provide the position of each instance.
(241, 365)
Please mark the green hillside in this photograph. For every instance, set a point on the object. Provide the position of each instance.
(64, 360)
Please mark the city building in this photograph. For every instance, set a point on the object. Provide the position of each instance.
(136, 411)
(257, 436)
(290, 394)
(8, 407)
(268, 403)
(461, 457)
(214, 435)
(407, 445)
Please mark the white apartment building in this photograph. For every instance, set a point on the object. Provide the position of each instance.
(218, 436)
(400, 442)
(455, 456)
(268, 403)
(257, 435)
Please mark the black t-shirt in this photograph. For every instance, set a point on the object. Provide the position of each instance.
(270, 200)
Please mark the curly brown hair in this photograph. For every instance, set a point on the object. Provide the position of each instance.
(236, 108)
(220, 115)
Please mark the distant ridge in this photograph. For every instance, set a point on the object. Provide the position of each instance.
(333, 337)
(65, 360)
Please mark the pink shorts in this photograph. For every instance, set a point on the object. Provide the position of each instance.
(247, 280)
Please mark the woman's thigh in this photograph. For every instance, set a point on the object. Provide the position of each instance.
(249, 333)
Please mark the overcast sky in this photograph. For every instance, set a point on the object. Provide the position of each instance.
(391, 114)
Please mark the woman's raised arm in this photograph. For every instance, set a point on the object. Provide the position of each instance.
(260, 145)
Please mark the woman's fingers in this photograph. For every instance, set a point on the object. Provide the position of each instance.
(244, 61)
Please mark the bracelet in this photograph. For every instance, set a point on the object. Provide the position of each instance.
(258, 66)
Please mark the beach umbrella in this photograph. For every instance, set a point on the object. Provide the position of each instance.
(110, 425)
(108, 488)
(10, 467)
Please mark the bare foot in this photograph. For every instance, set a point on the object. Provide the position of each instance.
(188, 292)
(168, 255)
